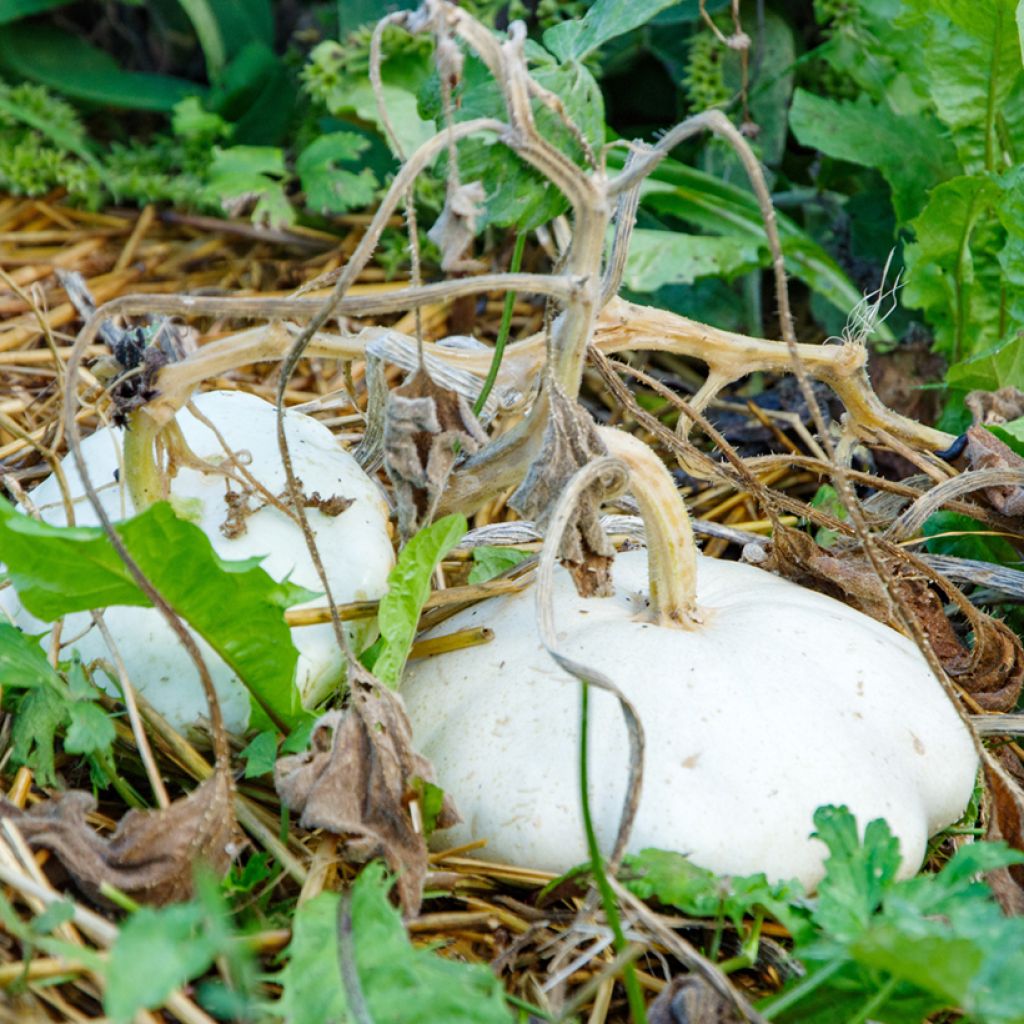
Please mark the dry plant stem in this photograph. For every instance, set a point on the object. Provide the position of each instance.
(138, 731)
(606, 471)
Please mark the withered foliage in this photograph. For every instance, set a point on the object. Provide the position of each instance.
(1004, 776)
(986, 451)
(570, 442)
(991, 671)
(995, 406)
(151, 856)
(427, 428)
(358, 779)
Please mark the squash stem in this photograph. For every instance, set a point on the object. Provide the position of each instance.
(143, 478)
(671, 548)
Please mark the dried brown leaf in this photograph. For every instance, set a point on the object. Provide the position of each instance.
(992, 670)
(690, 999)
(986, 451)
(357, 780)
(1004, 776)
(995, 406)
(152, 854)
(426, 428)
(570, 441)
(456, 227)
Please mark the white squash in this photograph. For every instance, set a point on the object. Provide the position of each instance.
(779, 700)
(354, 546)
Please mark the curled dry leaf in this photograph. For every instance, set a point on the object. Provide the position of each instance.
(986, 451)
(358, 779)
(570, 441)
(1004, 776)
(455, 229)
(152, 855)
(991, 671)
(995, 406)
(690, 999)
(426, 428)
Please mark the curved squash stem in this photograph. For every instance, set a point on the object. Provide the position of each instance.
(671, 548)
(143, 478)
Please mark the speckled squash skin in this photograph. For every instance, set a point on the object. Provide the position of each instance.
(784, 700)
(354, 546)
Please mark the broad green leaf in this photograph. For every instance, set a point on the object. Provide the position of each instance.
(257, 94)
(1011, 433)
(204, 24)
(1020, 26)
(489, 562)
(952, 273)
(401, 984)
(408, 589)
(331, 176)
(972, 63)
(657, 258)
(970, 540)
(576, 38)
(15, 10)
(724, 209)
(998, 366)
(871, 134)
(23, 664)
(235, 606)
(69, 65)
(241, 23)
(90, 730)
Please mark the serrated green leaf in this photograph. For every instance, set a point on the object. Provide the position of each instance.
(657, 258)
(398, 982)
(90, 729)
(260, 755)
(69, 65)
(23, 664)
(873, 135)
(857, 874)
(574, 39)
(408, 589)
(330, 185)
(247, 175)
(489, 562)
(40, 713)
(234, 605)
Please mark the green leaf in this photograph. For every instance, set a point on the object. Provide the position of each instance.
(408, 589)
(857, 874)
(15, 10)
(489, 562)
(155, 952)
(972, 68)
(1020, 26)
(657, 258)
(721, 208)
(970, 543)
(91, 729)
(872, 135)
(23, 664)
(1011, 434)
(251, 176)
(260, 755)
(952, 272)
(400, 983)
(235, 606)
(576, 38)
(330, 176)
(40, 713)
(1000, 365)
(69, 65)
